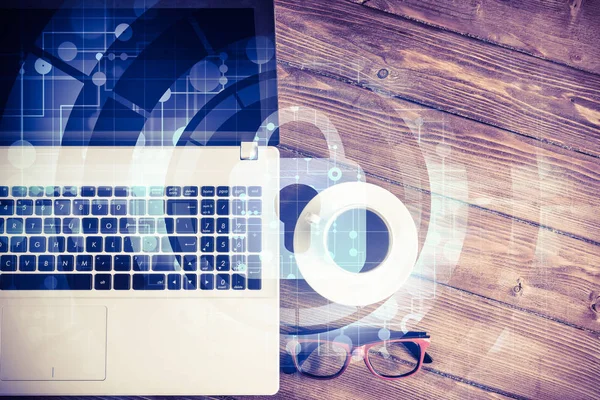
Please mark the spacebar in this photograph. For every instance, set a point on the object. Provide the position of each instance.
(45, 282)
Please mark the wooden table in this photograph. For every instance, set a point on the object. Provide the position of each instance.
(507, 165)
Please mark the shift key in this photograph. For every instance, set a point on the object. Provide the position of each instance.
(182, 207)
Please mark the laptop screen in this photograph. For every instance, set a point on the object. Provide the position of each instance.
(137, 72)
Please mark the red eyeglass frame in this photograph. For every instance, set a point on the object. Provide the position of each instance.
(423, 344)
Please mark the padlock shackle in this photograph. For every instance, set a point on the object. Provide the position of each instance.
(309, 116)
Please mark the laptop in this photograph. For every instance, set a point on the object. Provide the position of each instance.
(139, 238)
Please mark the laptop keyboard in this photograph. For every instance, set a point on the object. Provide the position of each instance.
(130, 238)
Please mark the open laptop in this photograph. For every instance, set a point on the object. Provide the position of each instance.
(139, 242)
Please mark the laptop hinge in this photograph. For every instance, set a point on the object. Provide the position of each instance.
(249, 151)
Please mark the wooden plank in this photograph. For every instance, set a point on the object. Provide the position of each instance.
(562, 31)
(511, 90)
(508, 174)
(489, 344)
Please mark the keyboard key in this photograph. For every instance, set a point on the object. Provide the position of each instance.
(254, 191)
(137, 207)
(45, 282)
(93, 244)
(190, 263)
(182, 207)
(254, 272)
(254, 235)
(75, 244)
(65, 263)
(70, 226)
(122, 263)
(186, 225)
(165, 225)
(223, 191)
(56, 244)
(166, 263)
(238, 282)
(208, 207)
(238, 263)
(2, 220)
(102, 281)
(105, 191)
(238, 244)
(7, 207)
(99, 207)
(27, 263)
(46, 263)
(156, 207)
(150, 244)
(149, 282)
(32, 225)
(121, 191)
(146, 226)
(174, 282)
(238, 207)
(222, 244)
(37, 244)
(222, 281)
(207, 225)
(118, 207)
(36, 191)
(108, 226)
(3, 191)
(207, 263)
(157, 191)
(223, 263)
(207, 244)
(103, 263)
(62, 207)
(190, 282)
(141, 263)
(179, 244)
(88, 191)
(238, 191)
(8, 263)
(81, 207)
(83, 263)
(90, 225)
(208, 191)
(222, 225)
(18, 244)
(132, 244)
(207, 282)
(24, 207)
(14, 226)
(53, 191)
(127, 225)
(112, 244)
(173, 191)
(52, 226)
(238, 225)
(69, 191)
(222, 207)
(138, 191)
(122, 282)
(255, 207)
(19, 191)
(3, 244)
(190, 191)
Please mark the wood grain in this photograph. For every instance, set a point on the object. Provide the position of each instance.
(507, 174)
(478, 80)
(566, 32)
(511, 351)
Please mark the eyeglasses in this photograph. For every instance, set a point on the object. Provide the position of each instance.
(324, 356)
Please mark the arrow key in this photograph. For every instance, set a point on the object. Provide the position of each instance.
(207, 282)
(174, 282)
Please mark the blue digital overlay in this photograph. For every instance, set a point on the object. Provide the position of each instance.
(143, 72)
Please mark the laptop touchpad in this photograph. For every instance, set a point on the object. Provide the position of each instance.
(44, 343)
